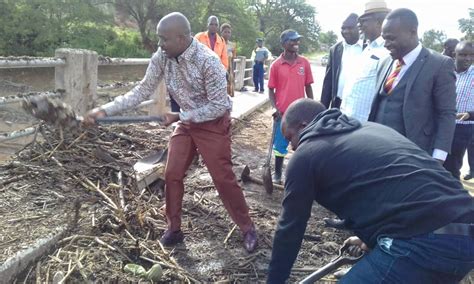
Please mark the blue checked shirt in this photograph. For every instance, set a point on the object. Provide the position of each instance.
(359, 91)
(465, 93)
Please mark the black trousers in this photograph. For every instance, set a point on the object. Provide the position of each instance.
(463, 140)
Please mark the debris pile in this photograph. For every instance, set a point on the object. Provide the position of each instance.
(119, 223)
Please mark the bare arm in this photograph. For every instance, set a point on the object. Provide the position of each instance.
(271, 95)
(309, 91)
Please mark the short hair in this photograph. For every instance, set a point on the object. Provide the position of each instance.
(407, 17)
(465, 44)
(450, 42)
(303, 110)
(225, 26)
(212, 17)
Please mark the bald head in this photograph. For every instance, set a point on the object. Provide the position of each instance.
(174, 32)
(302, 111)
(176, 22)
(299, 114)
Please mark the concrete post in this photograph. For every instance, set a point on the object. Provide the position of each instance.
(250, 74)
(160, 96)
(78, 78)
(240, 67)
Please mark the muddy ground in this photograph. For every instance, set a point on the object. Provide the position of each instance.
(40, 201)
(40, 191)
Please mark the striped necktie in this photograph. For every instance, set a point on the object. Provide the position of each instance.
(388, 87)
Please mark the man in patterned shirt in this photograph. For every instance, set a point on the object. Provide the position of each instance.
(195, 78)
(463, 135)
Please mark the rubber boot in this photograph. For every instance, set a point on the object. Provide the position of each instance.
(278, 169)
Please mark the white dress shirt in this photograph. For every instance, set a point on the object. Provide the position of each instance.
(349, 59)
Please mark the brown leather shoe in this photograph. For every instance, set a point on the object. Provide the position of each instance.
(170, 239)
(250, 240)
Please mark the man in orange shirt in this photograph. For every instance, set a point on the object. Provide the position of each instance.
(214, 41)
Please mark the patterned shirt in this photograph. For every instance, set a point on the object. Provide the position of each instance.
(196, 80)
(465, 93)
(359, 91)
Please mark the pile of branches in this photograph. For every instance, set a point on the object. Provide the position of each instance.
(95, 167)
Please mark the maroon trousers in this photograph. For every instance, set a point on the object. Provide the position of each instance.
(212, 139)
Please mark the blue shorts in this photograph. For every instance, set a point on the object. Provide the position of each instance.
(280, 144)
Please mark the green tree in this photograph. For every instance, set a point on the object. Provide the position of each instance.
(38, 27)
(467, 26)
(275, 16)
(327, 39)
(434, 39)
(147, 13)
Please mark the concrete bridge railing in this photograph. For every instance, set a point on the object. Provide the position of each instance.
(76, 73)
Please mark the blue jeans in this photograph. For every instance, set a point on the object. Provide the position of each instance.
(258, 73)
(428, 258)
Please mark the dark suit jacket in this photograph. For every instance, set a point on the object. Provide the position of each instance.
(429, 108)
(331, 78)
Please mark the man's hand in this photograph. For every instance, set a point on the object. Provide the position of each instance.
(170, 117)
(92, 115)
(463, 116)
(356, 246)
(277, 114)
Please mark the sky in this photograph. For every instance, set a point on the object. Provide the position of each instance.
(432, 14)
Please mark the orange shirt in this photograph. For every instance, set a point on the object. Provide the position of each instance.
(220, 47)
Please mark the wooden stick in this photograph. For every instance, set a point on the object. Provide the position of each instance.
(75, 140)
(105, 196)
(38, 272)
(229, 234)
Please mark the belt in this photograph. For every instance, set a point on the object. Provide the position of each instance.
(456, 229)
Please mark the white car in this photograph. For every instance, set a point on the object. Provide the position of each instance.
(325, 60)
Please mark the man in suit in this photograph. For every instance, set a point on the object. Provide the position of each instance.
(341, 61)
(416, 88)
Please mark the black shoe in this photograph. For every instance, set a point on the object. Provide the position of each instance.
(170, 239)
(255, 90)
(467, 177)
(261, 92)
(335, 223)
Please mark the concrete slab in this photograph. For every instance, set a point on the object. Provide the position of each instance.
(244, 103)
